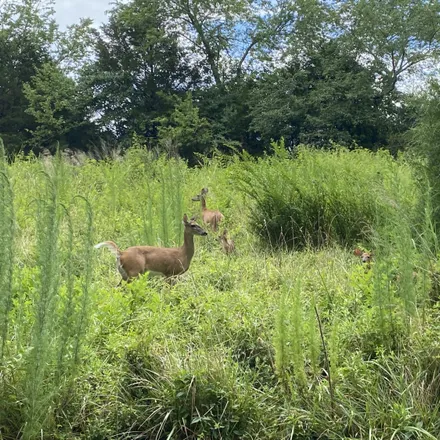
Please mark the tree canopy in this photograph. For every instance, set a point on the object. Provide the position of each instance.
(190, 77)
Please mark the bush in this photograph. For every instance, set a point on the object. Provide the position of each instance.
(321, 197)
(204, 395)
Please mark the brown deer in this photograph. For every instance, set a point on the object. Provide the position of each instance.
(137, 260)
(228, 244)
(365, 256)
(210, 217)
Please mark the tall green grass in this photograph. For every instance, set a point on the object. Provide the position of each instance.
(7, 233)
(47, 308)
(38, 388)
(267, 343)
(316, 197)
(140, 199)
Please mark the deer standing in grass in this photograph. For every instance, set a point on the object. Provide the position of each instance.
(137, 260)
(210, 217)
(228, 244)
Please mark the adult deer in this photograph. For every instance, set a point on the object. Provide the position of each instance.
(210, 217)
(137, 260)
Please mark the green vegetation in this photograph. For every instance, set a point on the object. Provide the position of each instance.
(190, 78)
(327, 197)
(290, 337)
(274, 342)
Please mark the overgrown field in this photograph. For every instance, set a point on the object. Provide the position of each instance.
(291, 337)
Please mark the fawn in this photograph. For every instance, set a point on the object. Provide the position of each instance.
(228, 244)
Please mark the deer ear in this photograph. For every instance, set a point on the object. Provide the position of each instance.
(194, 218)
(357, 252)
(185, 219)
(204, 190)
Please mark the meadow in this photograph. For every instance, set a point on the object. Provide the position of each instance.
(290, 337)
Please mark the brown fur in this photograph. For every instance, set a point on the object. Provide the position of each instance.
(210, 217)
(366, 257)
(137, 260)
(228, 244)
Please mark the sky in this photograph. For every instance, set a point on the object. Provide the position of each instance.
(69, 12)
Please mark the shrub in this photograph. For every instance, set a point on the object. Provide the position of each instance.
(204, 395)
(321, 197)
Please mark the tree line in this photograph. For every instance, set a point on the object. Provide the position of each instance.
(191, 76)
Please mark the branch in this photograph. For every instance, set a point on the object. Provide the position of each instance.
(253, 42)
(257, 38)
(208, 50)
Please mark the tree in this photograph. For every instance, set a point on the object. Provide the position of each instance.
(329, 96)
(184, 132)
(228, 37)
(59, 110)
(139, 67)
(26, 33)
(228, 113)
(425, 138)
(34, 59)
(391, 36)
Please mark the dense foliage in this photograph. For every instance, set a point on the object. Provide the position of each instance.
(289, 337)
(195, 77)
(317, 198)
(263, 343)
(425, 140)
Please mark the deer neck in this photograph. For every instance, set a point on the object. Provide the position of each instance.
(188, 246)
